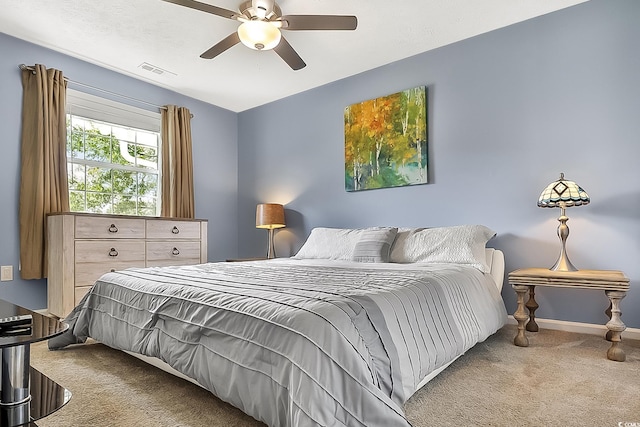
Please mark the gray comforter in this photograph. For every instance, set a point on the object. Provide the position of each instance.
(295, 343)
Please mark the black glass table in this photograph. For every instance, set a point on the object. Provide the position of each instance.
(26, 395)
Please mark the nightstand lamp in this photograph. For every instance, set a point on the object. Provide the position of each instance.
(270, 216)
(563, 194)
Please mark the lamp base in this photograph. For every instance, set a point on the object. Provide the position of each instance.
(271, 249)
(563, 263)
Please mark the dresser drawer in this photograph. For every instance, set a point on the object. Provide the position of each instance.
(172, 229)
(87, 273)
(172, 253)
(91, 227)
(109, 251)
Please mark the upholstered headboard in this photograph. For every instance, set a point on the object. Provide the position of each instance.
(495, 259)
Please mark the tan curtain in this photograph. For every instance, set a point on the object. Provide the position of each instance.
(43, 179)
(177, 163)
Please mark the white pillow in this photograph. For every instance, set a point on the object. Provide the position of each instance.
(398, 248)
(332, 243)
(462, 244)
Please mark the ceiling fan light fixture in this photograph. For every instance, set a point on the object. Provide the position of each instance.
(259, 35)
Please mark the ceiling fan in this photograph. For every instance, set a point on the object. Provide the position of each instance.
(261, 22)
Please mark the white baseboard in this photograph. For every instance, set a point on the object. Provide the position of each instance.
(577, 327)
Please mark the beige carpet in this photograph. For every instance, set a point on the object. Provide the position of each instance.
(562, 379)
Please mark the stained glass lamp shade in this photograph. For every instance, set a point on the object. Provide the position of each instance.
(563, 194)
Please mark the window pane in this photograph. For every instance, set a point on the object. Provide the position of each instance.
(76, 176)
(124, 134)
(147, 157)
(147, 206)
(98, 145)
(102, 128)
(98, 179)
(146, 138)
(76, 201)
(68, 137)
(78, 122)
(76, 140)
(124, 182)
(99, 203)
(124, 153)
(148, 184)
(124, 205)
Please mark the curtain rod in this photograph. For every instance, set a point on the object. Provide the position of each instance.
(160, 107)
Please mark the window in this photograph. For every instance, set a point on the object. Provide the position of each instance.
(112, 157)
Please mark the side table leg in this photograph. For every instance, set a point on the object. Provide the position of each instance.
(608, 313)
(521, 316)
(615, 326)
(532, 306)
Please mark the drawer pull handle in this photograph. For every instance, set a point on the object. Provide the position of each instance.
(113, 228)
(113, 252)
(175, 251)
(175, 230)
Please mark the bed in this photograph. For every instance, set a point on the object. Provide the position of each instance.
(342, 334)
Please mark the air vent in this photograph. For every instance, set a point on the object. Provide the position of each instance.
(153, 69)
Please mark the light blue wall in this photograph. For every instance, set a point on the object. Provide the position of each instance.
(507, 112)
(214, 133)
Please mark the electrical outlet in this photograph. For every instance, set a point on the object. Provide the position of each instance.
(6, 273)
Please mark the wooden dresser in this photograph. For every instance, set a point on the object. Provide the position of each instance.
(82, 247)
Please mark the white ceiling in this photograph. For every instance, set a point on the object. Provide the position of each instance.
(122, 34)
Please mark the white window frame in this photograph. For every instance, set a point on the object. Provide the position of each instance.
(106, 110)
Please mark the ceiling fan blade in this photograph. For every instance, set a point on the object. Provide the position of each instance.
(289, 55)
(319, 22)
(205, 8)
(221, 46)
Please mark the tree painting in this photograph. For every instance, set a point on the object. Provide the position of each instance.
(386, 141)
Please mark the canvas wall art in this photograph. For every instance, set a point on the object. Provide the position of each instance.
(385, 141)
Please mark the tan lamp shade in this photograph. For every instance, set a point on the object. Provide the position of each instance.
(270, 215)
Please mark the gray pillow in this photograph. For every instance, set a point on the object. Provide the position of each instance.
(374, 245)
